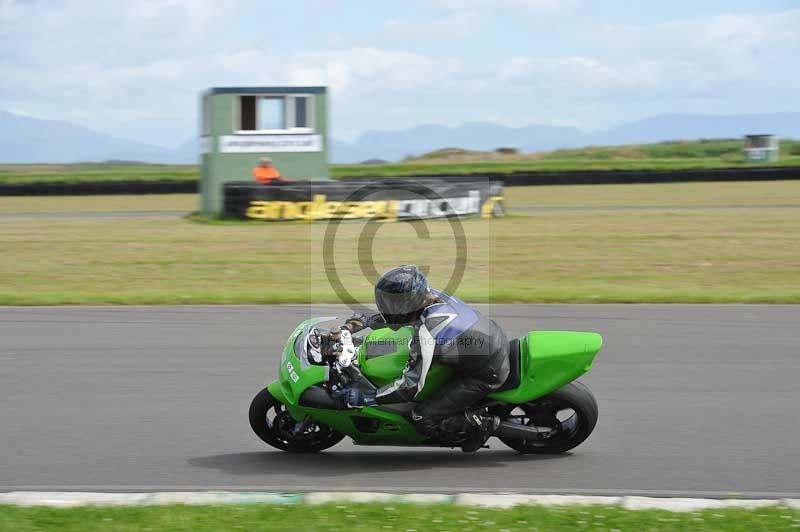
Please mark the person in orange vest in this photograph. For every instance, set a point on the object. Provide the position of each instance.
(265, 173)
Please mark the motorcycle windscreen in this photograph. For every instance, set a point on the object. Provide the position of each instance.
(297, 371)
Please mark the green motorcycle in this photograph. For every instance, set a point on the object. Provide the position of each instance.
(541, 406)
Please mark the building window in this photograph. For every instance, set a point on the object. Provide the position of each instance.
(760, 142)
(301, 111)
(288, 113)
(271, 113)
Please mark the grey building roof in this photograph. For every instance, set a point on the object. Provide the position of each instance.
(266, 90)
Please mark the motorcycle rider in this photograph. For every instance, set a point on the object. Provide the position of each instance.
(449, 332)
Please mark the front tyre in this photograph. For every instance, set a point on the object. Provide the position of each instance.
(271, 422)
(562, 420)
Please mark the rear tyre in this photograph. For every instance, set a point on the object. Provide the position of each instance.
(563, 420)
(271, 422)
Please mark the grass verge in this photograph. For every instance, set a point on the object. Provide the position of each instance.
(400, 517)
(647, 195)
(659, 254)
(104, 203)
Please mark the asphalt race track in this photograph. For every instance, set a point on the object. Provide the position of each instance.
(696, 400)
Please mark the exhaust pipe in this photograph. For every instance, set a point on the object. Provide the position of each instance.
(518, 431)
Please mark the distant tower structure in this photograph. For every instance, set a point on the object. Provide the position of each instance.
(242, 124)
(760, 148)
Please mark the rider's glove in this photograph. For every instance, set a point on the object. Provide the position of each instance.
(356, 322)
(376, 321)
(355, 398)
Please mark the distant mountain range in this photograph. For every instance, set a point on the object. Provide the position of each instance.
(31, 140)
(394, 145)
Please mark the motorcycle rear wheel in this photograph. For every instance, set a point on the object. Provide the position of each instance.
(271, 422)
(563, 419)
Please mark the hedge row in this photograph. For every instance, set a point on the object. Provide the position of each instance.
(594, 177)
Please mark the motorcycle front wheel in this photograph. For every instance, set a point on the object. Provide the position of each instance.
(560, 420)
(271, 422)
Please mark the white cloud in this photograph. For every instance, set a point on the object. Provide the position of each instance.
(467, 18)
(511, 5)
(353, 72)
(37, 33)
(359, 71)
(586, 78)
(106, 64)
(123, 97)
(719, 56)
(97, 51)
(458, 24)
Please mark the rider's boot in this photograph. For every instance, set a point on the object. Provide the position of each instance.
(480, 428)
(477, 427)
(427, 427)
(441, 429)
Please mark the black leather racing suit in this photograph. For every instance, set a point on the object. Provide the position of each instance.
(454, 334)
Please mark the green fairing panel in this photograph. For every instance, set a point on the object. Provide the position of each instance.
(384, 355)
(276, 390)
(550, 360)
(294, 374)
(393, 429)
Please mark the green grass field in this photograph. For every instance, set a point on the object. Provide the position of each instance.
(677, 155)
(712, 253)
(397, 517)
(91, 172)
(105, 203)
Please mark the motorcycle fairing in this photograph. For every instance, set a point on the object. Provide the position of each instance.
(548, 360)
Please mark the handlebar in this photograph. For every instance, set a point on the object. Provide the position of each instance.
(343, 350)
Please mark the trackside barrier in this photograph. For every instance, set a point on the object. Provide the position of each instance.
(388, 200)
(99, 188)
(594, 177)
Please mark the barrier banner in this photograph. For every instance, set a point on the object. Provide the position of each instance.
(388, 200)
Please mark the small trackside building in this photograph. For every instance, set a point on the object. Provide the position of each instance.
(240, 125)
(761, 148)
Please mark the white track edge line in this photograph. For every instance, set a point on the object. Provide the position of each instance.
(65, 499)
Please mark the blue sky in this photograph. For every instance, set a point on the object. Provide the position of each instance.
(134, 69)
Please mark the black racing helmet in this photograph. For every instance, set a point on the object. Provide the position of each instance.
(401, 293)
